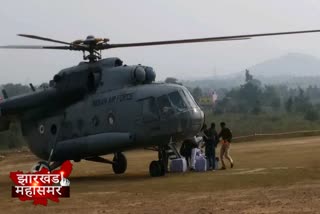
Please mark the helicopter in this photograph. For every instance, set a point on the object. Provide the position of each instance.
(102, 106)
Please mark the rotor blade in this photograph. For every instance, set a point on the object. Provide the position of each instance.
(210, 39)
(44, 39)
(170, 42)
(35, 47)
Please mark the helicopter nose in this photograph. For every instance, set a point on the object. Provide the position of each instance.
(189, 123)
(197, 119)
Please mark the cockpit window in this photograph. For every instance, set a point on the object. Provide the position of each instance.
(177, 100)
(190, 99)
(164, 104)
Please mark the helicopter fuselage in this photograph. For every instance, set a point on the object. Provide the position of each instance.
(121, 110)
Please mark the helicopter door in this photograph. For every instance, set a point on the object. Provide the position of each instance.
(149, 110)
(167, 114)
(149, 119)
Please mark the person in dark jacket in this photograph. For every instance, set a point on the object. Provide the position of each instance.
(226, 136)
(186, 148)
(211, 140)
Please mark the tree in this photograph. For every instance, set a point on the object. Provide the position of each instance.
(271, 97)
(197, 93)
(250, 95)
(276, 103)
(257, 108)
(245, 99)
(301, 102)
(289, 105)
(15, 89)
(249, 77)
(311, 114)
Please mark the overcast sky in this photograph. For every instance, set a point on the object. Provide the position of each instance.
(151, 20)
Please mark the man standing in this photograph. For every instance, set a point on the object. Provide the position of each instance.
(226, 136)
(185, 150)
(211, 140)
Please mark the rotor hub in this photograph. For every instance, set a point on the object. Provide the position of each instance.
(92, 45)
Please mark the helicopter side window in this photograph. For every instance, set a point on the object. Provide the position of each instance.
(149, 110)
(177, 100)
(164, 104)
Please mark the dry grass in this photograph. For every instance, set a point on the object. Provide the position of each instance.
(248, 124)
(271, 176)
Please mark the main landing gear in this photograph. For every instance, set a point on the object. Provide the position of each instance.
(119, 162)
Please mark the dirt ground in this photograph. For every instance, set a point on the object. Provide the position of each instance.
(273, 176)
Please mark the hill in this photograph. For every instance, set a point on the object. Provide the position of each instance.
(293, 70)
(292, 64)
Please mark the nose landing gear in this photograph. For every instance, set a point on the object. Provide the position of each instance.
(165, 152)
(157, 168)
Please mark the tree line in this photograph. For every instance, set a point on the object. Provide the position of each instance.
(254, 98)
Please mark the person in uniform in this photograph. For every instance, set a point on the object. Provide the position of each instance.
(226, 136)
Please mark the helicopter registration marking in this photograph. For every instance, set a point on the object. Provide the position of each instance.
(112, 99)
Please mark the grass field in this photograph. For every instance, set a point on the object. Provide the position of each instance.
(271, 176)
(248, 124)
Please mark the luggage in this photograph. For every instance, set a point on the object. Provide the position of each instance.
(178, 165)
(201, 163)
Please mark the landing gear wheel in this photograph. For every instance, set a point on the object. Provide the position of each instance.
(156, 169)
(163, 168)
(120, 163)
(39, 166)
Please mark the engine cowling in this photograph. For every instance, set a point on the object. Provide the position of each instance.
(83, 81)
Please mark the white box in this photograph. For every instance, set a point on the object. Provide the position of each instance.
(178, 165)
(201, 164)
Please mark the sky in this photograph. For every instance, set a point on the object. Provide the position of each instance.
(151, 20)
